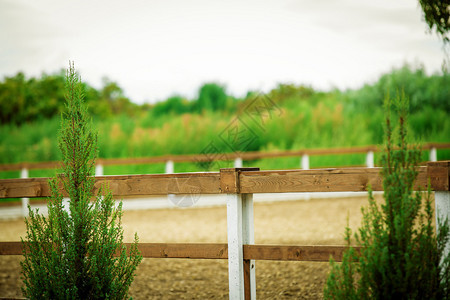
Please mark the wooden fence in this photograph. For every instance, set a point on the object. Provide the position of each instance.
(239, 185)
(237, 157)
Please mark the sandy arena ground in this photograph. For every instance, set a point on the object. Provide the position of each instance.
(313, 222)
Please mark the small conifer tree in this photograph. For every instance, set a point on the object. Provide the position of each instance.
(401, 256)
(71, 253)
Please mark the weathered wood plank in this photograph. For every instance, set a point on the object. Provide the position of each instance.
(294, 253)
(162, 184)
(318, 180)
(436, 145)
(129, 185)
(24, 187)
(220, 251)
(247, 279)
(439, 174)
(229, 179)
(152, 250)
(10, 248)
(284, 181)
(29, 165)
(178, 250)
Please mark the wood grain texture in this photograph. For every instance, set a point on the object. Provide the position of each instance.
(428, 146)
(220, 251)
(248, 181)
(124, 185)
(247, 288)
(11, 248)
(294, 253)
(182, 250)
(319, 180)
(439, 174)
(29, 187)
(229, 179)
(30, 165)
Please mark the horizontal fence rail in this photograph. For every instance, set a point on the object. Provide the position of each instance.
(239, 185)
(220, 251)
(250, 181)
(240, 156)
(123, 185)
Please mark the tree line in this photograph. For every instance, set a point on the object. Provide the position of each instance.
(27, 99)
(30, 99)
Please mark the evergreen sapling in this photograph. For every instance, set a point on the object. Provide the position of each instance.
(77, 253)
(401, 255)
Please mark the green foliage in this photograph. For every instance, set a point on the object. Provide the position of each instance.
(173, 105)
(112, 94)
(290, 91)
(401, 256)
(25, 100)
(305, 118)
(69, 254)
(421, 89)
(437, 16)
(211, 97)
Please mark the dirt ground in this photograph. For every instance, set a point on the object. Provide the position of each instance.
(312, 222)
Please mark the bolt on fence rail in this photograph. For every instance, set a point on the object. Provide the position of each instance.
(240, 184)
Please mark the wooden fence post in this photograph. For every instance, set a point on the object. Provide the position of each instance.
(241, 274)
(25, 201)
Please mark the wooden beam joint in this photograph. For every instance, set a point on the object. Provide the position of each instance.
(229, 179)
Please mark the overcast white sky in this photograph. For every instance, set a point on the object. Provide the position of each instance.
(155, 49)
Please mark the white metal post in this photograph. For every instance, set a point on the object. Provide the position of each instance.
(248, 237)
(433, 154)
(370, 159)
(240, 232)
(238, 162)
(169, 167)
(99, 170)
(241, 274)
(305, 162)
(442, 204)
(25, 201)
(169, 170)
(235, 247)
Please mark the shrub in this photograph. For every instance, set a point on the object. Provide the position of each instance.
(401, 256)
(70, 254)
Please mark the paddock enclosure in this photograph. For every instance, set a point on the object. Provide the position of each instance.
(239, 185)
